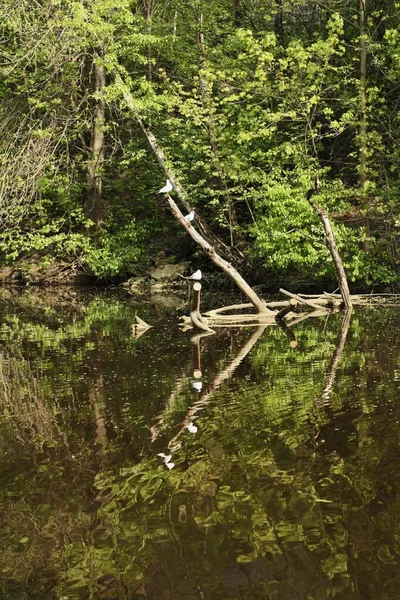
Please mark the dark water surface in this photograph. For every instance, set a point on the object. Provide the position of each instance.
(279, 478)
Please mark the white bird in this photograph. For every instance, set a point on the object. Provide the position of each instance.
(197, 385)
(189, 217)
(196, 276)
(168, 187)
(191, 428)
(166, 457)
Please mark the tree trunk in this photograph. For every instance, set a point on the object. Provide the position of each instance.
(331, 243)
(363, 123)
(220, 262)
(278, 22)
(148, 17)
(231, 253)
(236, 239)
(94, 207)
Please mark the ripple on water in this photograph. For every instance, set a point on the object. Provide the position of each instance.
(275, 475)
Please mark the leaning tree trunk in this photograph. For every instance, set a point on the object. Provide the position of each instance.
(210, 243)
(94, 207)
(231, 253)
(331, 243)
(218, 260)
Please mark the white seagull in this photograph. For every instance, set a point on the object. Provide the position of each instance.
(168, 187)
(197, 385)
(189, 217)
(196, 276)
(191, 428)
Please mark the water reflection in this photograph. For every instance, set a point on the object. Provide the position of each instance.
(278, 477)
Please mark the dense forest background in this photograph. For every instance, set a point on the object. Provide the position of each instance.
(248, 99)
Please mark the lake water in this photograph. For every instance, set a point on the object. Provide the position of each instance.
(174, 467)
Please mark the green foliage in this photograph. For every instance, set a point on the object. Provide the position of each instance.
(116, 253)
(247, 101)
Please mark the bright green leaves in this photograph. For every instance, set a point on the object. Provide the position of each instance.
(116, 253)
(247, 101)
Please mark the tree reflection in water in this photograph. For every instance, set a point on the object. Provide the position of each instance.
(289, 487)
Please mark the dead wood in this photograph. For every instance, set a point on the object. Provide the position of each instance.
(331, 373)
(217, 259)
(291, 306)
(195, 315)
(232, 253)
(308, 303)
(222, 309)
(331, 243)
(216, 317)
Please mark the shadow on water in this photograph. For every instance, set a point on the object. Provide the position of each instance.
(181, 466)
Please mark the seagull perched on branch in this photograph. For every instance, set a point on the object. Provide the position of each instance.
(168, 187)
(196, 276)
(197, 385)
(189, 217)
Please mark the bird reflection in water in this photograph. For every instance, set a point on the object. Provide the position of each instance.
(167, 460)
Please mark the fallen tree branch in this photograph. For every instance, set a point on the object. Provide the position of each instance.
(290, 306)
(222, 309)
(300, 299)
(218, 260)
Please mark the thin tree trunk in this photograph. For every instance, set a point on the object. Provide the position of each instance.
(149, 7)
(231, 253)
(331, 243)
(235, 237)
(218, 260)
(363, 122)
(278, 22)
(237, 13)
(94, 207)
